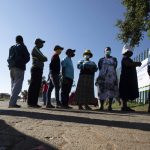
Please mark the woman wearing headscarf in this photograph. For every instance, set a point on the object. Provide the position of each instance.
(107, 82)
(128, 86)
(85, 86)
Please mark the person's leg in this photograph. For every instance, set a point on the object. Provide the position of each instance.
(125, 107)
(17, 76)
(110, 104)
(35, 83)
(50, 89)
(56, 83)
(149, 102)
(44, 98)
(101, 105)
(65, 90)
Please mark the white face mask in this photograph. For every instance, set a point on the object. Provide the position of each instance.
(107, 53)
(86, 56)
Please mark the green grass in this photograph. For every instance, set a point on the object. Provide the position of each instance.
(4, 99)
(135, 106)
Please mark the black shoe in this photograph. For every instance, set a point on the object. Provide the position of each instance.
(101, 108)
(59, 105)
(66, 107)
(14, 106)
(127, 109)
(80, 107)
(34, 106)
(50, 106)
(87, 107)
(109, 108)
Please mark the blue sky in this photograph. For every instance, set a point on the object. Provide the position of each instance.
(77, 24)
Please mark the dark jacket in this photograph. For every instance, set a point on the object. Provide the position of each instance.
(18, 56)
(38, 58)
(55, 64)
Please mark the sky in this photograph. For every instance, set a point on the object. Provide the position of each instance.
(76, 24)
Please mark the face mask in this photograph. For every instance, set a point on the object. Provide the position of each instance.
(107, 53)
(86, 56)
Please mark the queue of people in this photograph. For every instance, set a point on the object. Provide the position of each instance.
(61, 77)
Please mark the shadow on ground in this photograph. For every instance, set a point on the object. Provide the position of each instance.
(77, 119)
(11, 139)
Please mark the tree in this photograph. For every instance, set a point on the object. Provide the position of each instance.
(136, 22)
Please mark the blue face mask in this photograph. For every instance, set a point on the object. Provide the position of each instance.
(107, 53)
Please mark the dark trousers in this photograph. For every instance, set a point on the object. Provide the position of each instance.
(35, 85)
(65, 90)
(54, 83)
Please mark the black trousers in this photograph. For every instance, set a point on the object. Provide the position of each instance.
(65, 90)
(35, 85)
(54, 83)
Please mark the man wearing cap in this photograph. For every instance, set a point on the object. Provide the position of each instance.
(38, 60)
(67, 77)
(18, 57)
(54, 77)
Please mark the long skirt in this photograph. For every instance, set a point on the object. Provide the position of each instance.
(85, 89)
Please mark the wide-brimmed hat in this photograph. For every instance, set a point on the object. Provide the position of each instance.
(126, 48)
(58, 47)
(88, 52)
(68, 51)
(38, 40)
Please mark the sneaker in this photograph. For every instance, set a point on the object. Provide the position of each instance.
(14, 106)
(50, 106)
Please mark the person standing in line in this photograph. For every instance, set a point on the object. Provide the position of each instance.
(44, 91)
(85, 86)
(128, 86)
(17, 60)
(67, 77)
(54, 77)
(38, 60)
(107, 82)
(148, 70)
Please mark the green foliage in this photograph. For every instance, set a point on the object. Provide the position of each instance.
(136, 22)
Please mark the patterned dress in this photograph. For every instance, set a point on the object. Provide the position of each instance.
(85, 86)
(107, 82)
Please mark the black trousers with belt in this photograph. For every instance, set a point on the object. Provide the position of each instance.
(35, 85)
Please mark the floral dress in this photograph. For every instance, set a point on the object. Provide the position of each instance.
(107, 82)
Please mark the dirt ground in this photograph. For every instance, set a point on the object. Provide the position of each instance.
(60, 129)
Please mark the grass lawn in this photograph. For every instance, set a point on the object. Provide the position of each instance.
(135, 106)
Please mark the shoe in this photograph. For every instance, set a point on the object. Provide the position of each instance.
(66, 107)
(101, 108)
(87, 107)
(80, 107)
(127, 109)
(109, 108)
(14, 106)
(34, 106)
(50, 106)
(59, 105)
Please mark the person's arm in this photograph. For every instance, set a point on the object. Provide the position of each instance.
(100, 63)
(26, 55)
(129, 63)
(37, 54)
(63, 64)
